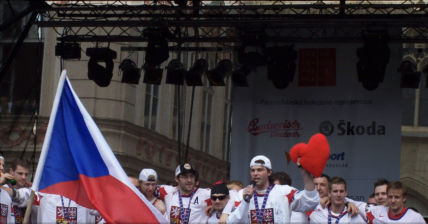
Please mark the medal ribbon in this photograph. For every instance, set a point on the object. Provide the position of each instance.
(184, 217)
(256, 205)
(338, 218)
(63, 209)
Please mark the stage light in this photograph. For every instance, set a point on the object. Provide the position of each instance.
(281, 66)
(252, 38)
(156, 53)
(194, 76)
(68, 50)
(373, 58)
(152, 74)
(239, 77)
(101, 75)
(410, 78)
(175, 73)
(216, 76)
(130, 72)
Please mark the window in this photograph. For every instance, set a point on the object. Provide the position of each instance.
(206, 116)
(151, 106)
(227, 119)
(178, 121)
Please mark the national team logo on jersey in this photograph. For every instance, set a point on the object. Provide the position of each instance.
(70, 212)
(326, 128)
(19, 214)
(175, 215)
(268, 216)
(3, 210)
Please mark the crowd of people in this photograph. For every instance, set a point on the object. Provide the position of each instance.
(269, 198)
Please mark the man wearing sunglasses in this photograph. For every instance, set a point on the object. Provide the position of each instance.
(187, 203)
(219, 199)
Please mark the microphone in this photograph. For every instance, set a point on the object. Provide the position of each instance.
(252, 184)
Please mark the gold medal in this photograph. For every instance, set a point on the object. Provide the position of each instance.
(65, 222)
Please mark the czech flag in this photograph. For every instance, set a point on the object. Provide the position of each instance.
(76, 162)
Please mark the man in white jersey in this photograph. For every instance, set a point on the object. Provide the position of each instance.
(336, 212)
(270, 203)
(219, 198)
(397, 212)
(186, 203)
(148, 179)
(380, 192)
(322, 186)
(20, 169)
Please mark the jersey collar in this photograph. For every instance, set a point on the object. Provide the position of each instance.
(397, 216)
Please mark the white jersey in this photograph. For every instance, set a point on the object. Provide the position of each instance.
(382, 214)
(54, 210)
(6, 208)
(198, 203)
(281, 201)
(214, 218)
(299, 217)
(320, 215)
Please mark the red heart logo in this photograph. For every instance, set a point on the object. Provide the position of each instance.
(313, 156)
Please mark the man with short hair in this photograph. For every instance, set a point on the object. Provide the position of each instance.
(148, 180)
(337, 211)
(219, 198)
(281, 178)
(270, 203)
(235, 185)
(134, 181)
(372, 200)
(396, 212)
(187, 203)
(380, 192)
(322, 185)
(19, 170)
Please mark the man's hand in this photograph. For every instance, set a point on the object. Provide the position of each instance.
(248, 191)
(324, 202)
(3, 178)
(209, 211)
(352, 209)
(223, 218)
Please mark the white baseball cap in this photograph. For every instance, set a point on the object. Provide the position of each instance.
(146, 173)
(266, 161)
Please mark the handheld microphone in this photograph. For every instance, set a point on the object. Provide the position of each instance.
(252, 184)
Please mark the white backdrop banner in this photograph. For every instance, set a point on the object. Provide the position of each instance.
(362, 127)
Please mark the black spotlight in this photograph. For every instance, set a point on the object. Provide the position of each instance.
(175, 72)
(152, 74)
(194, 76)
(410, 78)
(68, 50)
(221, 71)
(157, 52)
(281, 66)
(130, 72)
(373, 58)
(101, 75)
(239, 77)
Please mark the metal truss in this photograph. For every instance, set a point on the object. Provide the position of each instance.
(217, 22)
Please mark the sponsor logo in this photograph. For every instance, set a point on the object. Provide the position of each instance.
(187, 166)
(336, 160)
(348, 128)
(285, 129)
(326, 128)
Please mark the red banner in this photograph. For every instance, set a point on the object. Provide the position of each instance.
(308, 67)
(327, 67)
(317, 67)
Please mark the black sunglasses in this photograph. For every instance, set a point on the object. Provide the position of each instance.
(221, 198)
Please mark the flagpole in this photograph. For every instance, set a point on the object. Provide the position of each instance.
(29, 206)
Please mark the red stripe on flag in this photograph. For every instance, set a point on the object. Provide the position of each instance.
(114, 200)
